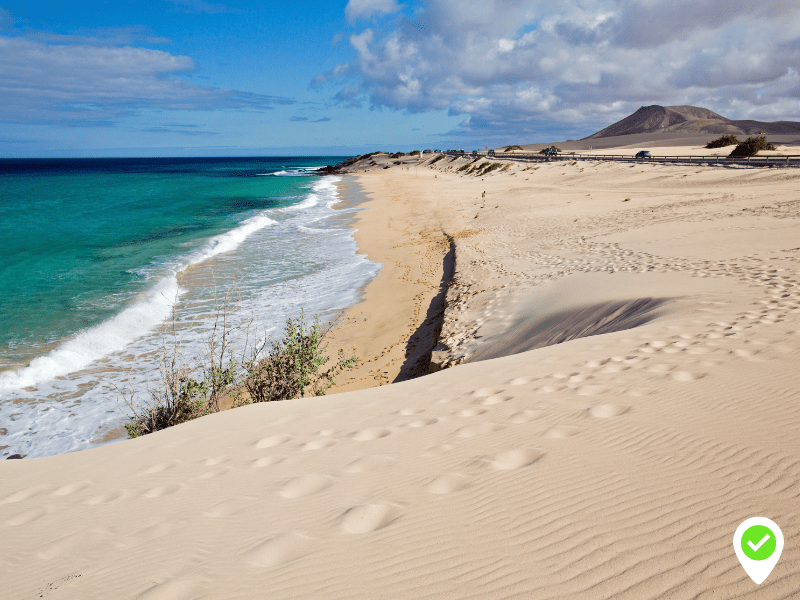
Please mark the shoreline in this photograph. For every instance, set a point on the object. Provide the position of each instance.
(390, 327)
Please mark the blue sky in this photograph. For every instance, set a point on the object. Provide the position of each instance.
(239, 77)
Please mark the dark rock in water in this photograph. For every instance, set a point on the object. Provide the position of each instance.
(15, 456)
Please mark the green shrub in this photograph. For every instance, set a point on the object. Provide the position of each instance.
(397, 155)
(510, 148)
(293, 365)
(437, 159)
(721, 142)
(414, 153)
(751, 146)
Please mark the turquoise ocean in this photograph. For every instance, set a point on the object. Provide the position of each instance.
(96, 253)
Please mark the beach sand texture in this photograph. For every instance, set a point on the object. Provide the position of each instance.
(619, 390)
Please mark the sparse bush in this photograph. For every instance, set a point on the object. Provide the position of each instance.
(187, 390)
(293, 365)
(397, 155)
(437, 159)
(751, 146)
(488, 168)
(510, 148)
(179, 396)
(414, 153)
(721, 142)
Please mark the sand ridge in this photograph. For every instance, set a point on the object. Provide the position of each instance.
(610, 465)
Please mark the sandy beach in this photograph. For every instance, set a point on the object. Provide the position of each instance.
(614, 385)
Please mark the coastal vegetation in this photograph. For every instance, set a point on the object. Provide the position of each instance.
(277, 369)
(751, 146)
(510, 148)
(721, 142)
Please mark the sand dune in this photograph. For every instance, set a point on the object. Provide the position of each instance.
(616, 460)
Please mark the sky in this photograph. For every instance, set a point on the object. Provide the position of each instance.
(247, 77)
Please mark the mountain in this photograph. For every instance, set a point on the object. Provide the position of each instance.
(690, 119)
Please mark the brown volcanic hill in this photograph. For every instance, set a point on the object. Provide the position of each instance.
(690, 119)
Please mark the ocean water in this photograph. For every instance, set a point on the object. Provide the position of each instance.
(98, 253)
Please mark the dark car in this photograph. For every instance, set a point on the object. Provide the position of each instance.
(643, 154)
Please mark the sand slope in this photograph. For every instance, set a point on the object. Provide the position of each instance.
(616, 464)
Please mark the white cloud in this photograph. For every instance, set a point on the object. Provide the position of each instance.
(363, 9)
(85, 84)
(526, 66)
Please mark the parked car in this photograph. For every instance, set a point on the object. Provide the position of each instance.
(427, 151)
(437, 151)
(551, 151)
(643, 154)
(491, 152)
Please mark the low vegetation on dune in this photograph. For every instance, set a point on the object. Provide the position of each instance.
(751, 146)
(510, 148)
(721, 142)
(277, 369)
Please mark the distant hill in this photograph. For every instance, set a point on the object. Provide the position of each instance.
(690, 119)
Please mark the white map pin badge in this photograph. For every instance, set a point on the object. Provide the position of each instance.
(758, 543)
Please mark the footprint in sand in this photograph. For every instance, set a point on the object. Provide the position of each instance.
(162, 490)
(279, 550)
(368, 517)
(591, 390)
(423, 422)
(213, 462)
(319, 444)
(160, 467)
(471, 412)
(477, 429)
(268, 461)
(525, 416)
(549, 389)
(522, 380)
(516, 458)
(174, 589)
(561, 431)
(607, 411)
(105, 498)
(305, 485)
(272, 441)
(483, 392)
(213, 473)
(447, 483)
(496, 399)
(374, 462)
(409, 412)
(227, 507)
(24, 494)
(370, 434)
(686, 375)
(71, 488)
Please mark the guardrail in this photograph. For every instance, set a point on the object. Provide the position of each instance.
(753, 161)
